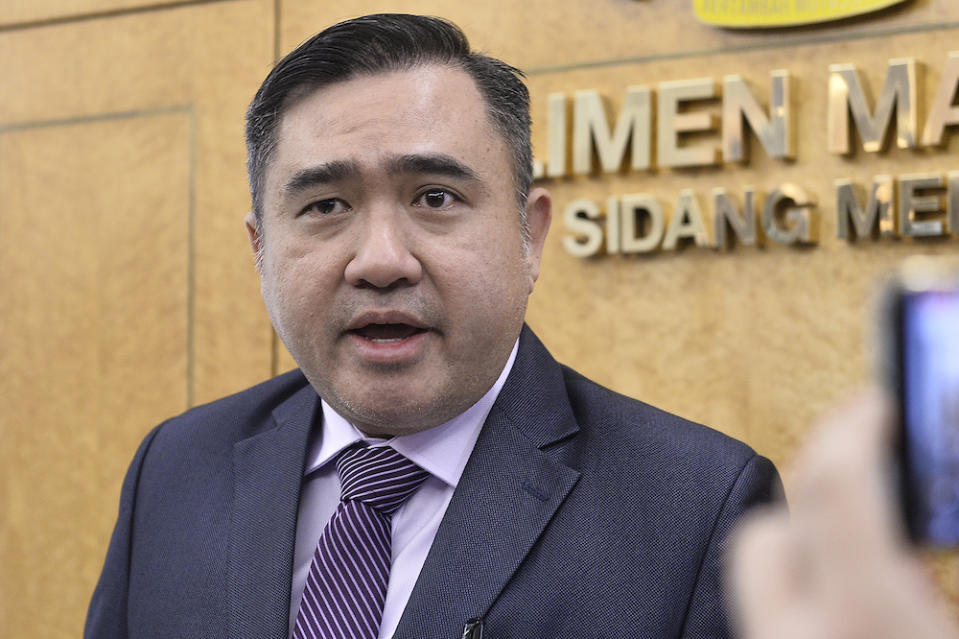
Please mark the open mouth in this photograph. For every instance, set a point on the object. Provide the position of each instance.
(386, 333)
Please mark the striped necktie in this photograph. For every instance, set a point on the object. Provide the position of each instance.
(346, 586)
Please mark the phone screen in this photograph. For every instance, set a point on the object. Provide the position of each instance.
(930, 413)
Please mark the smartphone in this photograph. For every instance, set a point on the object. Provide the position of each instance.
(921, 308)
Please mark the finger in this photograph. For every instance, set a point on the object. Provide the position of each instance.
(840, 502)
(767, 580)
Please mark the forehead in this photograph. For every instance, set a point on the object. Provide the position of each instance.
(426, 109)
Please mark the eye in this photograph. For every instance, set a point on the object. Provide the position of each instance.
(437, 199)
(329, 206)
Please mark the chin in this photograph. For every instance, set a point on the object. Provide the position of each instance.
(389, 417)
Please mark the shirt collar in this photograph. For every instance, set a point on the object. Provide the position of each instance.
(442, 450)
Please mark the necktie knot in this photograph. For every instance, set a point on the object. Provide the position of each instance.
(378, 477)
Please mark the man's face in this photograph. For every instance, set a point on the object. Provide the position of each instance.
(393, 266)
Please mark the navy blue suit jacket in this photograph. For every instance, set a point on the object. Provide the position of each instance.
(581, 514)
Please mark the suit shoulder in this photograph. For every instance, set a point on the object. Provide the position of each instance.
(235, 416)
(615, 420)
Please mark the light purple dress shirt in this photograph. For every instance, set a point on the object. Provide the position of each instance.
(443, 451)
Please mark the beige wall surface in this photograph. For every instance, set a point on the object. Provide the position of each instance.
(129, 293)
(128, 289)
(17, 13)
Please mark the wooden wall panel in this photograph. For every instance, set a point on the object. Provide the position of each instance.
(129, 290)
(209, 58)
(94, 347)
(16, 12)
(754, 341)
(556, 33)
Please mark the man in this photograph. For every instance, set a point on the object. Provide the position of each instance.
(398, 238)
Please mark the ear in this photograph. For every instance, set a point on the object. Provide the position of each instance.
(539, 213)
(256, 238)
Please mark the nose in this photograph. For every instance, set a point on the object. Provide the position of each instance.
(383, 258)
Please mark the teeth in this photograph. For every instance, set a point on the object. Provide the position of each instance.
(386, 333)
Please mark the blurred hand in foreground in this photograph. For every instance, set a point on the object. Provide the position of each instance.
(839, 567)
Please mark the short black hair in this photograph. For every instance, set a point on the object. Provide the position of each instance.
(382, 43)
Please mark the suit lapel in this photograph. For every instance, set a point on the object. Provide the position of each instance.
(509, 492)
(267, 472)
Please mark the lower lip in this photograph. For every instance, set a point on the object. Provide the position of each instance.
(389, 351)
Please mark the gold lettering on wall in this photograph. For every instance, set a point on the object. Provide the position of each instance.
(878, 210)
(846, 97)
(775, 131)
(688, 113)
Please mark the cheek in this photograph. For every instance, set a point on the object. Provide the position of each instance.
(297, 288)
(302, 263)
(491, 288)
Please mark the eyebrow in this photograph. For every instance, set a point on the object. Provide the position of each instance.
(320, 174)
(435, 163)
(409, 164)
